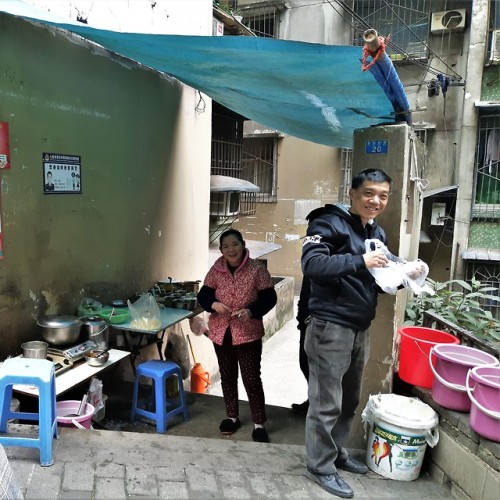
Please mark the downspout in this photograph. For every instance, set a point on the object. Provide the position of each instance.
(468, 134)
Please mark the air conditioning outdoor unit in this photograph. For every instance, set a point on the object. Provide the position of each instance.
(224, 204)
(495, 47)
(448, 21)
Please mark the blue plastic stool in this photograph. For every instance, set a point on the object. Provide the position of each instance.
(159, 371)
(40, 373)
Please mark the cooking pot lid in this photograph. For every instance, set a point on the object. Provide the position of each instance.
(94, 321)
(59, 321)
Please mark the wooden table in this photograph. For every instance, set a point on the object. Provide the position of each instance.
(77, 374)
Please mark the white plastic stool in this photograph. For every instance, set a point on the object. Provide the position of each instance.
(40, 373)
(159, 371)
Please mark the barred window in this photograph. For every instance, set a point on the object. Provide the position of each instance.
(487, 192)
(260, 165)
(407, 21)
(488, 273)
(263, 21)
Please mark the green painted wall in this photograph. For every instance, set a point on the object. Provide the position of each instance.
(65, 96)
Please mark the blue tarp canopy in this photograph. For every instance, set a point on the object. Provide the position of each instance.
(311, 91)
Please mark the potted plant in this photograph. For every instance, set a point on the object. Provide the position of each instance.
(461, 304)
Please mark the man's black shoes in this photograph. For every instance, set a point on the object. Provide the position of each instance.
(332, 483)
(349, 464)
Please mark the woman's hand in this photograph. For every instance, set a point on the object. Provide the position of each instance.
(242, 314)
(220, 308)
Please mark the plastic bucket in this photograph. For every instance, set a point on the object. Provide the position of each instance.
(400, 430)
(416, 343)
(64, 408)
(485, 398)
(453, 362)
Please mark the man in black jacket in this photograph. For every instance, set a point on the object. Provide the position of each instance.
(342, 306)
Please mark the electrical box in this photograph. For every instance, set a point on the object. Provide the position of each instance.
(217, 28)
(447, 21)
(438, 214)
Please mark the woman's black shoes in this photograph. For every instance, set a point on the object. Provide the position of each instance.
(259, 435)
(228, 426)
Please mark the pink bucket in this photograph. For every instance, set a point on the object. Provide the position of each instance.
(64, 408)
(452, 364)
(485, 397)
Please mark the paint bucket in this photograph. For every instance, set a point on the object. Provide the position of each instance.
(453, 362)
(64, 408)
(485, 398)
(400, 430)
(416, 342)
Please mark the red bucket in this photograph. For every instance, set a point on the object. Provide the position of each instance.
(416, 343)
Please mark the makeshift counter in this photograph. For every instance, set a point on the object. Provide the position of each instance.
(134, 336)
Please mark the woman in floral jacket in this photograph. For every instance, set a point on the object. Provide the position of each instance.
(238, 291)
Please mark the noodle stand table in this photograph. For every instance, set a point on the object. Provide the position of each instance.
(77, 374)
(134, 337)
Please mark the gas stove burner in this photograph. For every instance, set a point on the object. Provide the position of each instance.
(75, 352)
(61, 363)
(65, 357)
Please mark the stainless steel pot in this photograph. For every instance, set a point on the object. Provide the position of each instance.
(35, 349)
(97, 330)
(60, 330)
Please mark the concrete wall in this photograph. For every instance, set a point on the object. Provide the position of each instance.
(143, 211)
(308, 177)
(401, 222)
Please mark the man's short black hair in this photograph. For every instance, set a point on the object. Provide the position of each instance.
(372, 175)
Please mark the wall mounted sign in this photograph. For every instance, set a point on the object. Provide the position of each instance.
(61, 174)
(4, 145)
(376, 147)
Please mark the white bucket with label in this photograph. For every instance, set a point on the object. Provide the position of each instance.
(400, 430)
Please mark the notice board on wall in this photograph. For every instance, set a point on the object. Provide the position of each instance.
(62, 173)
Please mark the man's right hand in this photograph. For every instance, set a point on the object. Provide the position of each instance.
(375, 259)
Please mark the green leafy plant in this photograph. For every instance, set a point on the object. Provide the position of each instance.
(224, 7)
(460, 303)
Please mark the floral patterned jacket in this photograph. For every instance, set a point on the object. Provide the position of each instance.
(250, 287)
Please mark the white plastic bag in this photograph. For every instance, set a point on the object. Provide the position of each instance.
(88, 307)
(145, 313)
(95, 394)
(399, 272)
(198, 325)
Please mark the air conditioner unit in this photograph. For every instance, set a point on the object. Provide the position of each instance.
(495, 48)
(224, 204)
(448, 21)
